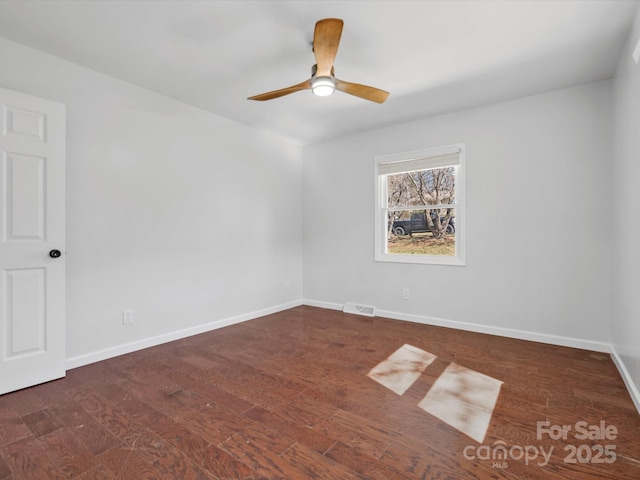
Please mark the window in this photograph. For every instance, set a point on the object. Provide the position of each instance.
(420, 207)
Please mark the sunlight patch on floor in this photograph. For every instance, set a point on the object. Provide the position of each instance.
(402, 368)
(464, 399)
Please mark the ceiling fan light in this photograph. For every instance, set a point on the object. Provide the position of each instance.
(323, 86)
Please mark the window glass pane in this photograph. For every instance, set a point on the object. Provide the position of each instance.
(421, 232)
(422, 187)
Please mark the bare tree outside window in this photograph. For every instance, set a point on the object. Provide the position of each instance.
(422, 188)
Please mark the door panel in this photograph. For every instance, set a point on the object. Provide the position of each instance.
(32, 288)
(25, 196)
(26, 301)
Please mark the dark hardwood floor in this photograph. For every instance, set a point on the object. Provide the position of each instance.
(287, 396)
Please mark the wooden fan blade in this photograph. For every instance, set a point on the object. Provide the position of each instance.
(326, 39)
(306, 85)
(363, 91)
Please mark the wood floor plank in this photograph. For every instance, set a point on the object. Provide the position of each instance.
(13, 427)
(209, 426)
(262, 452)
(98, 473)
(27, 459)
(86, 428)
(41, 422)
(71, 456)
(311, 464)
(210, 392)
(5, 470)
(105, 413)
(117, 393)
(127, 464)
(299, 433)
(366, 465)
(220, 465)
(300, 412)
(174, 432)
(25, 401)
(171, 462)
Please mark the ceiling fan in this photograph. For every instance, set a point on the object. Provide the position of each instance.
(326, 39)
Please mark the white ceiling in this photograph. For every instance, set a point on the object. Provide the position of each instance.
(433, 56)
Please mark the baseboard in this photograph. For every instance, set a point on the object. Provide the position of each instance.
(501, 331)
(473, 327)
(86, 359)
(320, 304)
(628, 381)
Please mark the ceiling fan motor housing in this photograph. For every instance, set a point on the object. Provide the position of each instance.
(322, 86)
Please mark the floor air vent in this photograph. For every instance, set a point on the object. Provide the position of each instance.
(365, 310)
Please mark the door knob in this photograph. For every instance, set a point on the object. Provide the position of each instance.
(55, 253)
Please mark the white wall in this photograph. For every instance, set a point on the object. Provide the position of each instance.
(538, 220)
(626, 300)
(179, 214)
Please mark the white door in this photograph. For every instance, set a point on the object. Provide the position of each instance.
(32, 223)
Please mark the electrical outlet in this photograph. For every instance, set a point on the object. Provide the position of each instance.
(405, 294)
(127, 316)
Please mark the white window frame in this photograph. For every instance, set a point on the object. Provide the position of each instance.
(412, 161)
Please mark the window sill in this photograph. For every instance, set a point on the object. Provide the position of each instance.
(421, 259)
